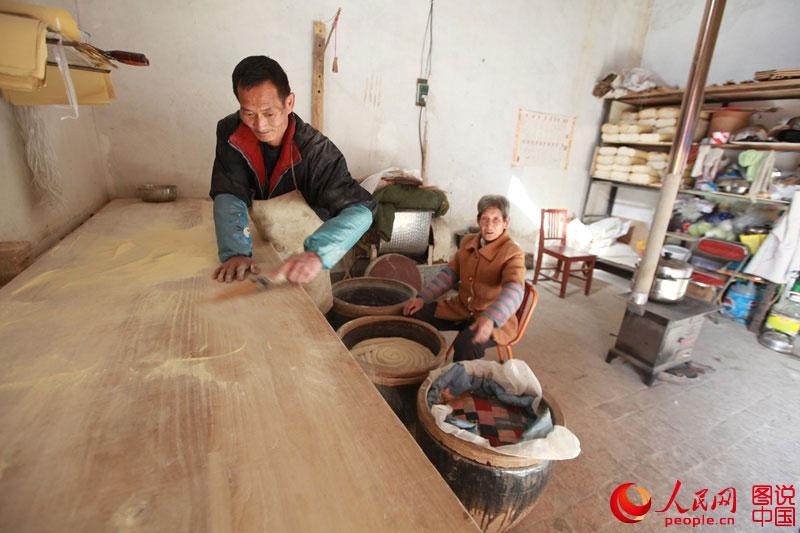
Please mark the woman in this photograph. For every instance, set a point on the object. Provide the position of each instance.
(489, 269)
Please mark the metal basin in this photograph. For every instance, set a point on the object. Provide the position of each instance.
(150, 192)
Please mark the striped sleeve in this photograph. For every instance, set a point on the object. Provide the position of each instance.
(506, 304)
(443, 282)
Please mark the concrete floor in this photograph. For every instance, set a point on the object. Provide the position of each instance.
(734, 426)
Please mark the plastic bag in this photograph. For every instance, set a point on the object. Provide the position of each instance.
(753, 217)
(579, 236)
(63, 67)
(605, 232)
(641, 79)
(722, 231)
(692, 209)
(634, 80)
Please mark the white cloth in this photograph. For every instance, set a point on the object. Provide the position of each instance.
(779, 256)
(596, 236)
(707, 162)
(762, 177)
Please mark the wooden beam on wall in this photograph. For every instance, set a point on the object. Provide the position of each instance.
(318, 76)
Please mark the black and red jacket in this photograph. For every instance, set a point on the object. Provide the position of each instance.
(319, 168)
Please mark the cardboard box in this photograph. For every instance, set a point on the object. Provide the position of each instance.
(637, 235)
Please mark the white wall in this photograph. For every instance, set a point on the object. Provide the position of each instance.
(489, 59)
(162, 127)
(81, 163)
(546, 58)
(754, 35)
(25, 216)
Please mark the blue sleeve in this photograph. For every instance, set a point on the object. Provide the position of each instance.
(336, 236)
(230, 221)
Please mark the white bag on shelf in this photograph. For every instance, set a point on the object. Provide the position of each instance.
(631, 137)
(628, 160)
(648, 112)
(668, 112)
(631, 152)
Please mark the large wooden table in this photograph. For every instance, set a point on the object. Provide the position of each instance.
(130, 400)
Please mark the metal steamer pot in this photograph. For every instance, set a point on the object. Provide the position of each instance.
(672, 279)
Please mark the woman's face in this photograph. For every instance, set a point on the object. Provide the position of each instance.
(492, 224)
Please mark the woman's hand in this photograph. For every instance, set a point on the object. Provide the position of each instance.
(482, 327)
(413, 306)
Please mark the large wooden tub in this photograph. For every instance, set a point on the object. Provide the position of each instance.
(498, 490)
(398, 386)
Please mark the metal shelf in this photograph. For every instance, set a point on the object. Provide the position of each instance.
(627, 184)
(681, 236)
(739, 92)
(765, 146)
(662, 144)
(619, 269)
(738, 197)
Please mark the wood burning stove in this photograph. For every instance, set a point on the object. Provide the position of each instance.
(660, 336)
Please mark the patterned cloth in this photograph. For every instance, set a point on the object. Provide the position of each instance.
(498, 423)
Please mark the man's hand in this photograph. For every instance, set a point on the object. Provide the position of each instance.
(236, 266)
(300, 268)
(412, 306)
(482, 327)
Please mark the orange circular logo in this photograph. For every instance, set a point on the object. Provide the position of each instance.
(624, 509)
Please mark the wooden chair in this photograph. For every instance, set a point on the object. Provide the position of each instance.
(524, 313)
(529, 301)
(553, 242)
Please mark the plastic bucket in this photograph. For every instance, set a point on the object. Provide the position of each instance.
(739, 302)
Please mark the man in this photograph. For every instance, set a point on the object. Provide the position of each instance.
(265, 150)
(489, 270)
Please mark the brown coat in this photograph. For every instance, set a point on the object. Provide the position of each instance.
(482, 272)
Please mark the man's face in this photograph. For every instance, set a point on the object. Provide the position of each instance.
(262, 110)
(492, 224)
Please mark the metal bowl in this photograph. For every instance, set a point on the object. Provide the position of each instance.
(776, 340)
(151, 192)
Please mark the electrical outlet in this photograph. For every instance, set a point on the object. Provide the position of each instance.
(422, 92)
